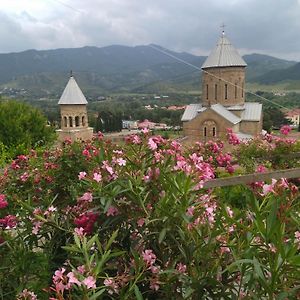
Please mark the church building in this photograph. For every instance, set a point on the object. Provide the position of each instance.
(74, 119)
(223, 99)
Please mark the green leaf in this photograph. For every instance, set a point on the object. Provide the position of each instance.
(257, 268)
(111, 240)
(97, 294)
(138, 293)
(162, 235)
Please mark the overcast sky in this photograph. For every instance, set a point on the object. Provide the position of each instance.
(261, 26)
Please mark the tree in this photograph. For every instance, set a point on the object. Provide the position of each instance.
(22, 127)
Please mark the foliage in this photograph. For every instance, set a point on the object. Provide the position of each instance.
(22, 127)
(94, 221)
(109, 122)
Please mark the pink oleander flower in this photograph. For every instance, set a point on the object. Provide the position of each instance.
(86, 197)
(232, 137)
(81, 269)
(229, 211)
(24, 177)
(261, 169)
(154, 284)
(149, 257)
(27, 295)
(181, 268)
(136, 139)
(90, 282)
(79, 232)
(8, 222)
(272, 248)
(140, 222)
(97, 177)
(190, 211)
(285, 129)
(152, 145)
(121, 162)
(73, 279)
(297, 238)
(36, 228)
(86, 221)
(3, 202)
(145, 130)
(269, 188)
(81, 175)
(112, 211)
(114, 287)
(51, 209)
(86, 153)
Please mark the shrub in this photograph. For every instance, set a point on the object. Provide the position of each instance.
(95, 221)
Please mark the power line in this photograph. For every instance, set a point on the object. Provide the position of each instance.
(228, 82)
(68, 6)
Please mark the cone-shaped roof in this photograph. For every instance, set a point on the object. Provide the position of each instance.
(72, 94)
(224, 55)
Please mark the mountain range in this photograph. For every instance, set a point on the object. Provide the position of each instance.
(118, 69)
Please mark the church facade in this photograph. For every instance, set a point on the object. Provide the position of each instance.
(223, 99)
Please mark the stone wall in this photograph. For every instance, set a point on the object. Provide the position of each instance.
(229, 91)
(195, 129)
(73, 116)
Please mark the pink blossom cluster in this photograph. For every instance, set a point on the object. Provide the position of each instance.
(86, 221)
(65, 281)
(285, 129)
(37, 222)
(3, 202)
(232, 137)
(27, 295)
(8, 222)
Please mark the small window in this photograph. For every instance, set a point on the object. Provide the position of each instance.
(226, 91)
(216, 92)
(77, 121)
(70, 121)
(65, 122)
(235, 90)
(207, 92)
(83, 121)
(205, 131)
(214, 131)
(243, 90)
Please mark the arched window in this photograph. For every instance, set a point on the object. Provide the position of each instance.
(65, 122)
(77, 121)
(83, 121)
(71, 121)
(214, 131)
(235, 90)
(207, 92)
(243, 90)
(209, 128)
(216, 92)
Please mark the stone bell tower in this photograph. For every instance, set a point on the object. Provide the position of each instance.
(223, 76)
(74, 119)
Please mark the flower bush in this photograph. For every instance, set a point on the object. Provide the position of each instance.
(101, 221)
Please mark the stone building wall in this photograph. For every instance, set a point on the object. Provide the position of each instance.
(215, 90)
(209, 119)
(73, 116)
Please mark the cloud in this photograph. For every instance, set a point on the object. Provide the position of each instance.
(194, 26)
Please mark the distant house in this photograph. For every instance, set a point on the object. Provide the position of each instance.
(146, 124)
(293, 116)
(175, 107)
(128, 124)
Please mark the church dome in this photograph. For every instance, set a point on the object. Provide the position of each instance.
(224, 55)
